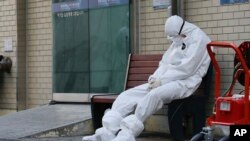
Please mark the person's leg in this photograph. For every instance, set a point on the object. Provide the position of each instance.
(132, 125)
(122, 106)
(154, 100)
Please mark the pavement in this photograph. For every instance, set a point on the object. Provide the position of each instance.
(145, 136)
(43, 119)
(54, 123)
(79, 138)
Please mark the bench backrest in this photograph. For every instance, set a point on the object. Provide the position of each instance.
(140, 68)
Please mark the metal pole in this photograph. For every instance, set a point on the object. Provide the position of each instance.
(174, 7)
(178, 8)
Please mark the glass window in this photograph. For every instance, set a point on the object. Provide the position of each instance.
(109, 47)
(232, 1)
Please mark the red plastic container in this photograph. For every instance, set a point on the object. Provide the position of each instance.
(229, 109)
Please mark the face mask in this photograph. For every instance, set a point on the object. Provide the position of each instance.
(177, 40)
(170, 39)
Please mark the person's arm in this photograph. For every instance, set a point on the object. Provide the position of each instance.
(189, 65)
(160, 69)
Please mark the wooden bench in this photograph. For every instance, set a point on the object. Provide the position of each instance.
(140, 68)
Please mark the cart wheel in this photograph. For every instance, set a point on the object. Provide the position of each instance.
(198, 137)
(225, 138)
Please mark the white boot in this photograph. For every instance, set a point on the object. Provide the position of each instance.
(111, 125)
(91, 138)
(124, 135)
(101, 134)
(131, 127)
(111, 121)
(133, 124)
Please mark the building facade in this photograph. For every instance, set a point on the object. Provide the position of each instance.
(28, 24)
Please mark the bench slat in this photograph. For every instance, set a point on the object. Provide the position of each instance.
(141, 77)
(104, 98)
(135, 83)
(137, 64)
(140, 68)
(155, 57)
(147, 70)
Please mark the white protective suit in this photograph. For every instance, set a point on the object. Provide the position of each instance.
(179, 74)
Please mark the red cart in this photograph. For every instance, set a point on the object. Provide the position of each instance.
(229, 109)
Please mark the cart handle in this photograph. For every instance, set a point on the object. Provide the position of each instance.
(216, 44)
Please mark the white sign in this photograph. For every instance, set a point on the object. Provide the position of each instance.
(8, 45)
(160, 4)
(103, 2)
(114, 1)
(108, 2)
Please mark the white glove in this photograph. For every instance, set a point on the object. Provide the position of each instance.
(153, 84)
(151, 79)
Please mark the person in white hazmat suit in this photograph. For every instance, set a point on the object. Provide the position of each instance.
(179, 74)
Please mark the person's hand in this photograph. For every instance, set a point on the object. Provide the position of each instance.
(151, 79)
(154, 84)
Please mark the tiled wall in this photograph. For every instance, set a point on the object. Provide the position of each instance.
(230, 23)
(151, 29)
(39, 52)
(222, 22)
(8, 30)
(31, 36)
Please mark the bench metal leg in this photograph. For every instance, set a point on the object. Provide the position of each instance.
(175, 119)
(97, 111)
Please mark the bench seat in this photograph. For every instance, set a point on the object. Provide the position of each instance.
(140, 67)
(103, 98)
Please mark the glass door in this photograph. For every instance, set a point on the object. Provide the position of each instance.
(91, 47)
(71, 50)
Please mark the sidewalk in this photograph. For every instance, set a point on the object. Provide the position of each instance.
(46, 121)
(79, 138)
(60, 122)
(142, 137)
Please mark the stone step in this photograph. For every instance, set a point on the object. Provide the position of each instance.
(47, 121)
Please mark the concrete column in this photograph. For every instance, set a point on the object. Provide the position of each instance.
(134, 25)
(21, 54)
